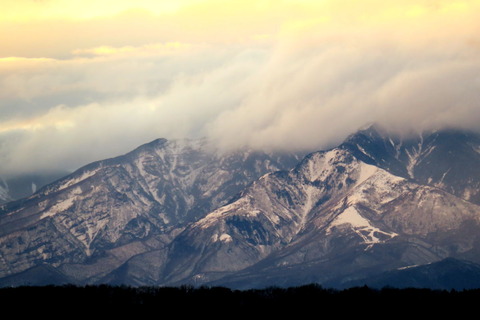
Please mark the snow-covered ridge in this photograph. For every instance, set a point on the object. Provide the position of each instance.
(378, 187)
(213, 217)
(70, 182)
(60, 206)
(320, 165)
(366, 171)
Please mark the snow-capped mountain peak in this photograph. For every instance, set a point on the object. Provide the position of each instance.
(120, 207)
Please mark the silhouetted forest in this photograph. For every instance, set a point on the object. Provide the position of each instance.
(187, 300)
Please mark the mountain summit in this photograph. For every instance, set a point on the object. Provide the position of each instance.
(172, 213)
(446, 159)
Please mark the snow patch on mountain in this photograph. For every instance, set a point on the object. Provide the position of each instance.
(363, 150)
(378, 189)
(58, 207)
(360, 225)
(62, 205)
(211, 218)
(70, 182)
(467, 194)
(366, 171)
(225, 237)
(320, 164)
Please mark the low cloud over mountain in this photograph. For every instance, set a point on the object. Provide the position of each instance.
(295, 75)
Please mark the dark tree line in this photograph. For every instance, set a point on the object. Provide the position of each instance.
(188, 300)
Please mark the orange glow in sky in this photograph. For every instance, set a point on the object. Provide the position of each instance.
(55, 28)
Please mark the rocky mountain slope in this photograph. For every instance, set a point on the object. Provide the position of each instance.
(331, 218)
(172, 213)
(90, 222)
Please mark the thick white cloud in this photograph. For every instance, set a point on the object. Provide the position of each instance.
(314, 97)
(320, 80)
(81, 110)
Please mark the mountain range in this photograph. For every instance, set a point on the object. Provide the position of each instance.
(180, 212)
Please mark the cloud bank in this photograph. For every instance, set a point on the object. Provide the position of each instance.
(296, 76)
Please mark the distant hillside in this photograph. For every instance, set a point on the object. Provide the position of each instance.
(448, 274)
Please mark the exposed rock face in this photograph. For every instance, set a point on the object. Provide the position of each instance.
(90, 222)
(445, 159)
(330, 207)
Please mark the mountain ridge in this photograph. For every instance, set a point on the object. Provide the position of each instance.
(342, 214)
(173, 213)
(155, 189)
(452, 150)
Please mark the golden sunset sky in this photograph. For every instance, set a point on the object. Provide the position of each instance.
(85, 80)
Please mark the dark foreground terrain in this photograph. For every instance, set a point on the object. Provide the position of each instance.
(312, 300)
